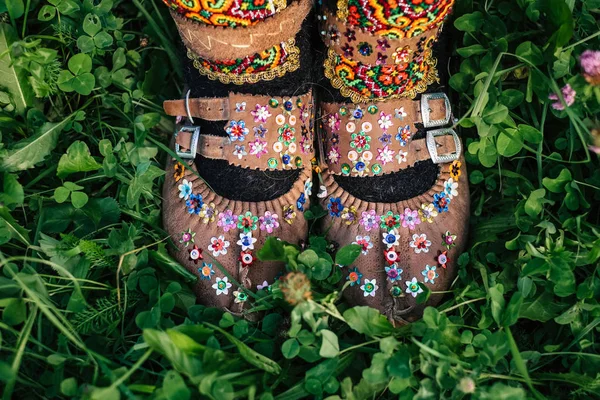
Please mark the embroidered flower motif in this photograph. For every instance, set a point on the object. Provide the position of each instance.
(301, 202)
(369, 287)
(441, 202)
(385, 139)
(333, 156)
(246, 241)
(348, 50)
(349, 215)
(206, 271)
(227, 220)
(390, 220)
(360, 142)
(391, 238)
(450, 188)
(442, 258)
(208, 213)
(239, 297)
(247, 222)
(237, 130)
(427, 212)
(260, 131)
(354, 276)
(185, 189)
(391, 256)
(218, 245)
(333, 35)
(385, 121)
(240, 107)
(350, 35)
(383, 44)
(269, 221)
(448, 240)
(420, 243)
(365, 49)
(260, 113)
(306, 145)
(360, 165)
(369, 220)
(194, 204)
(178, 171)
(410, 218)
(393, 273)
(402, 55)
(286, 134)
(386, 155)
(308, 187)
(240, 151)
(335, 206)
(222, 286)
(381, 59)
(430, 274)
(413, 287)
(403, 135)
(258, 147)
(365, 243)
(263, 286)
(356, 113)
(187, 237)
(333, 122)
(196, 254)
(400, 113)
(246, 259)
(401, 156)
(455, 170)
(289, 214)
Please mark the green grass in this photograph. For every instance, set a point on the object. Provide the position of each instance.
(93, 306)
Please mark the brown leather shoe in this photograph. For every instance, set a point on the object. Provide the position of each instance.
(410, 242)
(263, 133)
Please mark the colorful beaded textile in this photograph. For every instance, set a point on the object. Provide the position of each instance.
(393, 18)
(378, 138)
(230, 13)
(264, 66)
(368, 67)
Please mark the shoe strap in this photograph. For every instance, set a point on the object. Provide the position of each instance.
(368, 140)
(261, 132)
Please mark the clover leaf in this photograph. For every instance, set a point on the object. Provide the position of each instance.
(78, 78)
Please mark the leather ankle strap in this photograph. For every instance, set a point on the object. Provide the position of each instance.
(262, 132)
(378, 138)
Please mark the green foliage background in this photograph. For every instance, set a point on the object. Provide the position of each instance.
(93, 306)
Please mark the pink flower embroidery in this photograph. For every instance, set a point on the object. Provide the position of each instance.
(369, 220)
(260, 113)
(410, 218)
(269, 221)
(227, 220)
(386, 155)
(385, 121)
(258, 147)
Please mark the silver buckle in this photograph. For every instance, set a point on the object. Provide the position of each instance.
(432, 146)
(426, 111)
(195, 136)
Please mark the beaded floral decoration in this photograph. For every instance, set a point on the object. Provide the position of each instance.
(389, 223)
(264, 66)
(230, 13)
(392, 18)
(367, 82)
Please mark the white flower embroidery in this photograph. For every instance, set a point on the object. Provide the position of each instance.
(222, 286)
